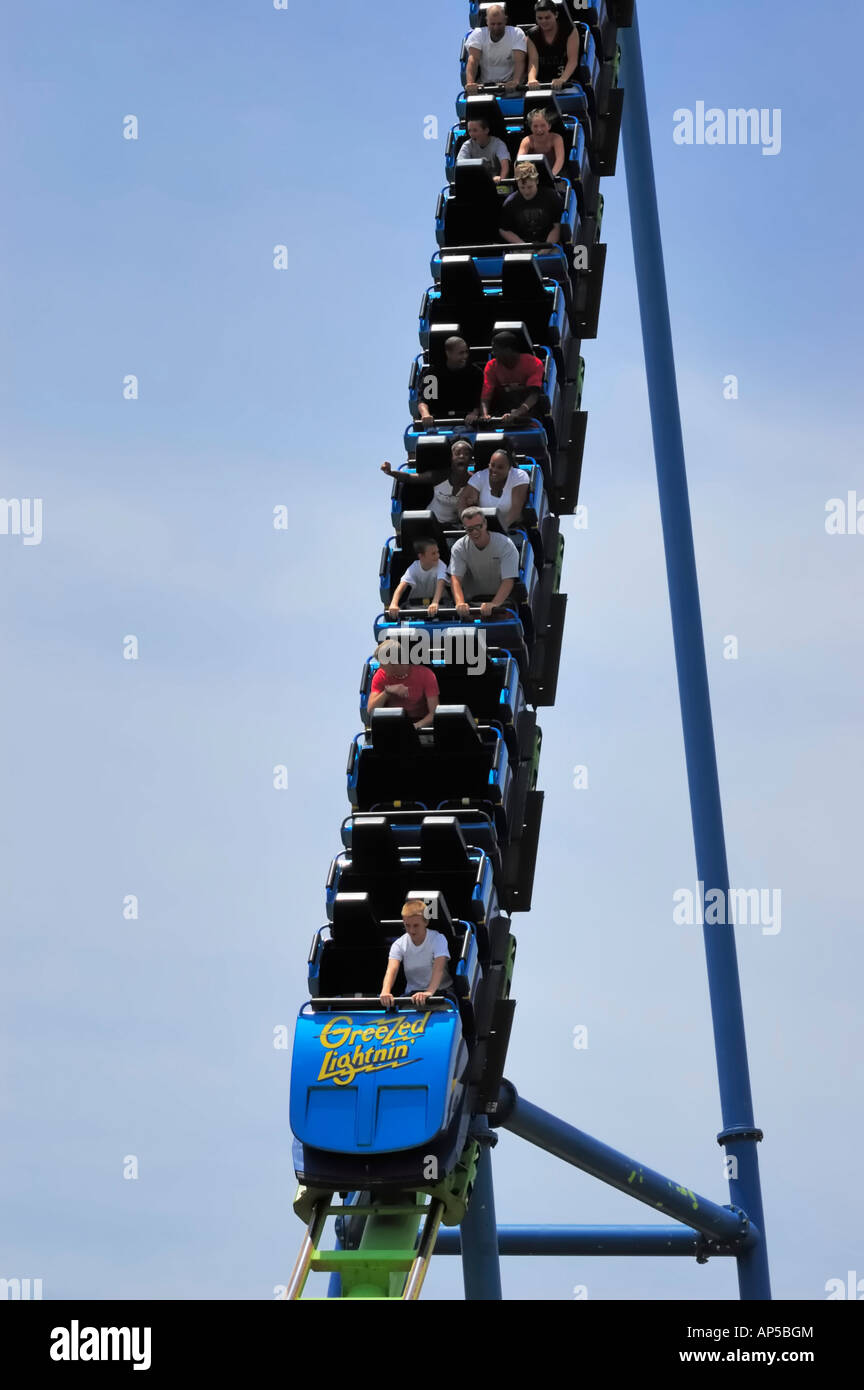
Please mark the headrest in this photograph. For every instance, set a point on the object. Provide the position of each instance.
(442, 844)
(393, 734)
(355, 921)
(455, 730)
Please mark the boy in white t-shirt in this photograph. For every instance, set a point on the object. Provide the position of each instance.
(482, 144)
(426, 578)
(425, 955)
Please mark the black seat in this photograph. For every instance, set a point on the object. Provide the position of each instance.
(373, 848)
(417, 526)
(493, 522)
(460, 280)
(544, 169)
(353, 961)
(393, 734)
(472, 210)
(521, 12)
(440, 919)
(487, 444)
(481, 107)
(460, 685)
(442, 844)
(355, 921)
(387, 890)
(521, 278)
(432, 454)
(395, 765)
(455, 730)
(519, 331)
(522, 297)
(438, 335)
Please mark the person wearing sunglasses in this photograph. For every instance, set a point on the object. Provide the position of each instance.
(484, 566)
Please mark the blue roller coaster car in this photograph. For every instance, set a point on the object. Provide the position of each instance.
(375, 864)
(349, 954)
(527, 440)
(577, 162)
(521, 296)
(468, 214)
(491, 689)
(552, 261)
(456, 760)
(398, 554)
(432, 457)
(434, 362)
(365, 1082)
(601, 18)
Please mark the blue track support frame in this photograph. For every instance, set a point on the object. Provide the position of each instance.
(626, 1174)
(478, 1234)
(593, 1240)
(739, 1134)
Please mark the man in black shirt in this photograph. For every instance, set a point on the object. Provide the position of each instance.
(453, 392)
(532, 214)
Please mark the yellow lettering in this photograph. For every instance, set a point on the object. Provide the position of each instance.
(334, 1036)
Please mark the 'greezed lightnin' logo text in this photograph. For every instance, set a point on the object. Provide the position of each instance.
(393, 1042)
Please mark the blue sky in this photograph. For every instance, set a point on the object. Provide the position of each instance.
(259, 387)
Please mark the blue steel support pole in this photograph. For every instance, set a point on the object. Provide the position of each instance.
(739, 1135)
(481, 1268)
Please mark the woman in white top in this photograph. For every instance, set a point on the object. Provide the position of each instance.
(502, 485)
(447, 488)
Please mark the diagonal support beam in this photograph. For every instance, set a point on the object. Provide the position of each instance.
(618, 1170)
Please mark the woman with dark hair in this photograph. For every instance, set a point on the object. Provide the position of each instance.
(448, 486)
(541, 139)
(553, 48)
(503, 485)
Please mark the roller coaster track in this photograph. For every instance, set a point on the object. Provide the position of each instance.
(385, 1237)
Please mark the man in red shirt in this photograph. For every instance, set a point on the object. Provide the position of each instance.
(412, 688)
(513, 382)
